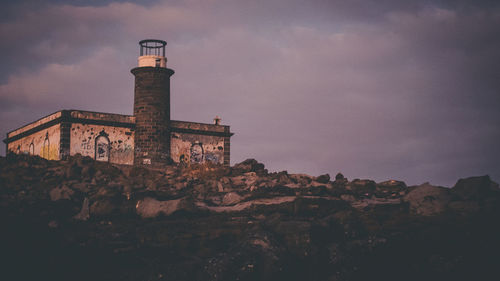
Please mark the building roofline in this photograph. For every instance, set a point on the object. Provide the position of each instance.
(66, 110)
(27, 124)
(66, 116)
(199, 123)
(97, 112)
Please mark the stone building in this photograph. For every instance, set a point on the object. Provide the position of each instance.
(149, 137)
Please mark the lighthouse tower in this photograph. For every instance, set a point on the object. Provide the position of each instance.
(152, 105)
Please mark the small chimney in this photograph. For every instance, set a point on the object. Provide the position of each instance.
(217, 120)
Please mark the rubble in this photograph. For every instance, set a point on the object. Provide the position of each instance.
(210, 222)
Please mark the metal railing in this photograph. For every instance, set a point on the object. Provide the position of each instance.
(152, 47)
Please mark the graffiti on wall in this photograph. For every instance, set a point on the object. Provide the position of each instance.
(183, 159)
(191, 148)
(44, 143)
(212, 157)
(52, 152)
(102, 147)
(86, 145)
(46, 147)
(49, 151)
(120, 150)
(103, 143)
(196, 153)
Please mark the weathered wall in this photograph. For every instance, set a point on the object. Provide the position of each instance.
(44, 143)
(34, 124)
(86, 138)
(193, 148)
(112, 138)
(199, 142)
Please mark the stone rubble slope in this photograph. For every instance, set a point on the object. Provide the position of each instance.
(209, 222)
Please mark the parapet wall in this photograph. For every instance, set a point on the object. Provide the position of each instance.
(100, 116)
(209, 128)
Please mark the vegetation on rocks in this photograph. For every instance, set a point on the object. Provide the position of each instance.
(79, 219)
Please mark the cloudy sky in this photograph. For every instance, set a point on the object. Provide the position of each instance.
(391, 89)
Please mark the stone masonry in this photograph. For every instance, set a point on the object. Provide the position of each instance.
(152, 113)
(149, 137)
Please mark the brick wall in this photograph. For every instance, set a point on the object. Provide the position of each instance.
(152, 113)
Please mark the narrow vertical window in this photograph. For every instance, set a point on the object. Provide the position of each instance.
(45, 147)
(31, 150)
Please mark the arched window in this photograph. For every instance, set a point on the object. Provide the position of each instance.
(45, 147)
(31, 150)
(102, 147)
(18, 150)
(196, 153)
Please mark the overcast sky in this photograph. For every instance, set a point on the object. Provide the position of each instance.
(373, 89)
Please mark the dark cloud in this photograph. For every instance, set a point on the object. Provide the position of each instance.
(375, 89)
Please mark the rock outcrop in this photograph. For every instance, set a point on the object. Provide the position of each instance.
(427, 200)
(84, 220)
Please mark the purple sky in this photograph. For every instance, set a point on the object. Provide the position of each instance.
(373, 89)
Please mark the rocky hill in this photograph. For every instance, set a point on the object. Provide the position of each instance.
(84, 220)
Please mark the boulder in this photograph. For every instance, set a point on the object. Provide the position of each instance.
(81, 186)
(339, 185)
(60, 193)
(150, 207)
(339, 177)
(348, 197)
(103, 207)
(249, 165)
(73, 171)
(238, 181)
(323, 178)
(220, 187)
(391, 185)
(247, 180)
(81, 160)
(427, 200)
(464, 207)
(363, 187)
(84, 213)
(88, 171)
(390, 188)
(302, 180)
(318, 190)
(231, 198)
(475, 188)
(283, 178)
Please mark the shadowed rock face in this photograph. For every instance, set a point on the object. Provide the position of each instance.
(84, 220)
(427, 200)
